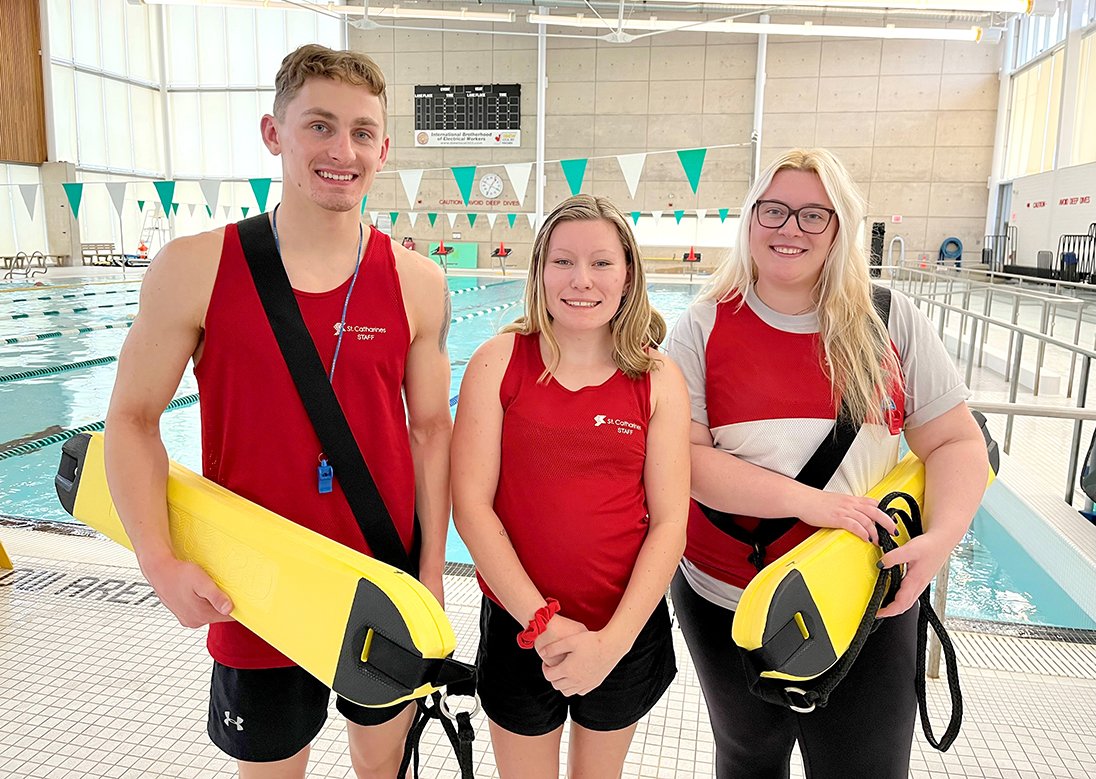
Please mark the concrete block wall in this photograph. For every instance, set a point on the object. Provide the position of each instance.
(913, 120)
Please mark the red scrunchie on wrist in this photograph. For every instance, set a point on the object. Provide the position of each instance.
(538, 624)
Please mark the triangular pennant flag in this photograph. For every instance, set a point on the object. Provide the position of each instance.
(574, 171)
(227, 210)
(141, 206)
(472, 219)
(413, 216)
(175, 209)
(117, 192)
(518, 173)
(723, 214)
(677, 215)
(701, 213)
(393, 215)
(452, 220)
(411, 180)
(464, 176)
(373, 216)
(635, 217)
(261, 188)
(191, 207)
(209, 211)
(211, 191)
(511, 218)
(657, 215)
(245, 209)
(491, 217)
(166, 191)
(692, 160)
(532, 220)
(631, 165)
(75, 194)
(30, 196)
(432, 216)
(364, 200)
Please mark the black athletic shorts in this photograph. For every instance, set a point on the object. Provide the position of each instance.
(517, 697)
(267, 714)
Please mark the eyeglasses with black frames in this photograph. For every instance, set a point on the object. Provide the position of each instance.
(811, 219)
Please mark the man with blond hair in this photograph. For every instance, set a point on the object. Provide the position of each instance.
(378, 315)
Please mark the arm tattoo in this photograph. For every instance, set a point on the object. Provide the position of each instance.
(447, 322)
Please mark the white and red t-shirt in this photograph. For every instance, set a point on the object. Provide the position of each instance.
(756, 381)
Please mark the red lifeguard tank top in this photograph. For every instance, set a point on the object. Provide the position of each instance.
(570, 491)
(257, 439)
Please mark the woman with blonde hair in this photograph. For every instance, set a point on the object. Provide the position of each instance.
(788, 340)
(571, 490)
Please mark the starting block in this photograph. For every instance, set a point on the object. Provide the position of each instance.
(501, 254)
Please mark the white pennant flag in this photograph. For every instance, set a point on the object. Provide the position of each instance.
(413, 216)
(701, 213)
(117, 192)
(491, 217)
(373, 217)
(657, 215)
(411, 180)
(191, 207)
(452, 220)
(211, 190)
(631, 165)
(227, 210)
(532, 220)
(30, 196)
(518, 174)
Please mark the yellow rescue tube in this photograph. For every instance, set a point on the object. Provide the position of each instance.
(368, 630)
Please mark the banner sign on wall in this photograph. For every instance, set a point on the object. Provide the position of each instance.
(468, 115)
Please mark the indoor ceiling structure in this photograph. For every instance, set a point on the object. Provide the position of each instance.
(624, 21)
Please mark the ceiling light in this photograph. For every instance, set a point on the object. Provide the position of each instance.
(980, 6)
(807, 29)
(393, 12)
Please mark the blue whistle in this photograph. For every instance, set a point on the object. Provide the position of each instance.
(326, 474)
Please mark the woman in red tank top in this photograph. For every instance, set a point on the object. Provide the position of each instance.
(570, 488)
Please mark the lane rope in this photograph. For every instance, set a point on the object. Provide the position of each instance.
(53, 369)
(22, 339)
(81, 310)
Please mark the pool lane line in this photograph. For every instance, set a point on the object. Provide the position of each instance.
(22, 339)
(64, 435)
(80, 310)
(50, 370)
(72, 295)
(68, 286)
(483, 286)
(482, 312)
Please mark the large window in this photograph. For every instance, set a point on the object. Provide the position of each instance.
(1084, 134)
(19, 232)
(1037, 33)
(1033, 118)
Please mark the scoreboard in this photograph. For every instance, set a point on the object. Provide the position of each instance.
(468, 115)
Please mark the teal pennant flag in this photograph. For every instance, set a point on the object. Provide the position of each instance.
(261, 188)
(245, 209)
(364, 201)
(635, 217)
(511, 218)
(575, 172)
(464, 176)
(166, 191)
(393, 215)
(432, 217)
(75, 193)
(692, 160)
(141, 205)
(723, 214)
(472, 219)
(678, 215)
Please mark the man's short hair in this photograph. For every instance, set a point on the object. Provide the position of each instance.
(315, 61)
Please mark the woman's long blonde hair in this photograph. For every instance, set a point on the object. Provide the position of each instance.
(636, 327)
(855, 344)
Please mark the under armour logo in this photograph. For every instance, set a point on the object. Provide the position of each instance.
(238, 722)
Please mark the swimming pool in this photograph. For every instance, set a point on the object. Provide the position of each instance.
(992, 577)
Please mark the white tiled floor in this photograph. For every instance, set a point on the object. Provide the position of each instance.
(94, 688)
(91, 687)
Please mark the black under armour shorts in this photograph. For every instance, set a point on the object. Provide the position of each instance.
(268, 714)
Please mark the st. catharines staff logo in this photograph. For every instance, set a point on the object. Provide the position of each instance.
(363, 332)
(622, 425)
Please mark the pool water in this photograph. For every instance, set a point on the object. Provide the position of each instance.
(991, 576)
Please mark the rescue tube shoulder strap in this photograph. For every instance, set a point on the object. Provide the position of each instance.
(817, 473)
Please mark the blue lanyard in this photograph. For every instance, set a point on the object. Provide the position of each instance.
(349, 292)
